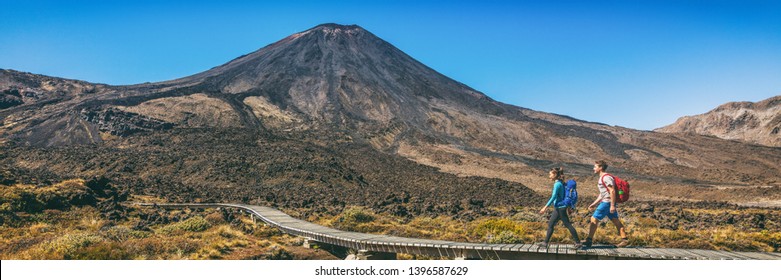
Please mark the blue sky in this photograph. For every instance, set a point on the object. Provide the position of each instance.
(638, 64)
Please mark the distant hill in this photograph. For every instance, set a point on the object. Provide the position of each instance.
(757, 123)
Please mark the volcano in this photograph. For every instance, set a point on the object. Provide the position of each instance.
(336, 109)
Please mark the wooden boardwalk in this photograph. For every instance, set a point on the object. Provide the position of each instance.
(438, 248)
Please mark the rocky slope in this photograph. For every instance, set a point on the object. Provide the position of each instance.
(353, 106)
(756, 123)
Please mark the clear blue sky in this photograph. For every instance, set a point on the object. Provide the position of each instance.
(651, 61)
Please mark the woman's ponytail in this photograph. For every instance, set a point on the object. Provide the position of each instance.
(558, 172)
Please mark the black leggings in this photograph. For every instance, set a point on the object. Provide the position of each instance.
(560, 214)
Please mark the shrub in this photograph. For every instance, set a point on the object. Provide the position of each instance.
(266, 231)
(31, 199)
(66, 246)
(277, 253)
(506, 237)
(353, 217)
(356, 215)
(215, 218)
(194, 224)
(496, 226)
(38, 228)
(102, 251)
(138, 234)
(528, 217)
(19, 198)
(772, 239)
(175, 247)
(117, 233)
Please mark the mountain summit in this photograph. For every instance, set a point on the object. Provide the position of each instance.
(336, 85)
(337, 73)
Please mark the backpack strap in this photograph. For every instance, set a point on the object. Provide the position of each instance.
(602, 179)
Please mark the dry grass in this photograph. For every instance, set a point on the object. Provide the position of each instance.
(29, 232)
(527, 227)
(87, 237)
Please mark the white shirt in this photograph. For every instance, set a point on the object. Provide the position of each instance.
(603, 192)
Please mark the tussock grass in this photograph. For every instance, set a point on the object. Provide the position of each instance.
(194, 224)
(526, 226)
(29, 230)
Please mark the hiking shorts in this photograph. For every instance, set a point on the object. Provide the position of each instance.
(603, 209)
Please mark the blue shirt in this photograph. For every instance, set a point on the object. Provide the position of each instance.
(557, 195)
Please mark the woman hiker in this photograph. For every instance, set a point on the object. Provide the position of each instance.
(560, 209)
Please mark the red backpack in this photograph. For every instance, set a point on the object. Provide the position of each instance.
(621, 185)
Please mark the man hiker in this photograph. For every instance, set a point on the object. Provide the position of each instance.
(605, 205)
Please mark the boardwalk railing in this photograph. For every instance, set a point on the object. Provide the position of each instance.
(383, 244)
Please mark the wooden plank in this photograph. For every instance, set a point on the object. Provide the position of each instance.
(311, 226)
(291, 224)
(679, 253)
(765, 256)
(278, 217)
(772, 256)
(506, 247)
(275, 214)
(551, 249)
(658, 254)
(587, 251)
(732, 256)
(537, 249)
(332, 232)
(569, 250)
(525, 247)
(741, 255)
(603, 251)
(647, 254)
(352, 234)
(775, 256)
(675, 253)
(753, 255)
(417, 240)
(712, 255)
(735, 255)
(640, 253)
(632, 253)
(469, 246)
(695, 255)
(654, 253)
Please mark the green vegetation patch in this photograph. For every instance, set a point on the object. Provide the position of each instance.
(194, 224)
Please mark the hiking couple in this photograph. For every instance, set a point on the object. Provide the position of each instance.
(564, 199)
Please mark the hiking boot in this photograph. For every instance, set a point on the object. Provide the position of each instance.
(577, 246)
(542, 244)
(624, 242)
(586, 244)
